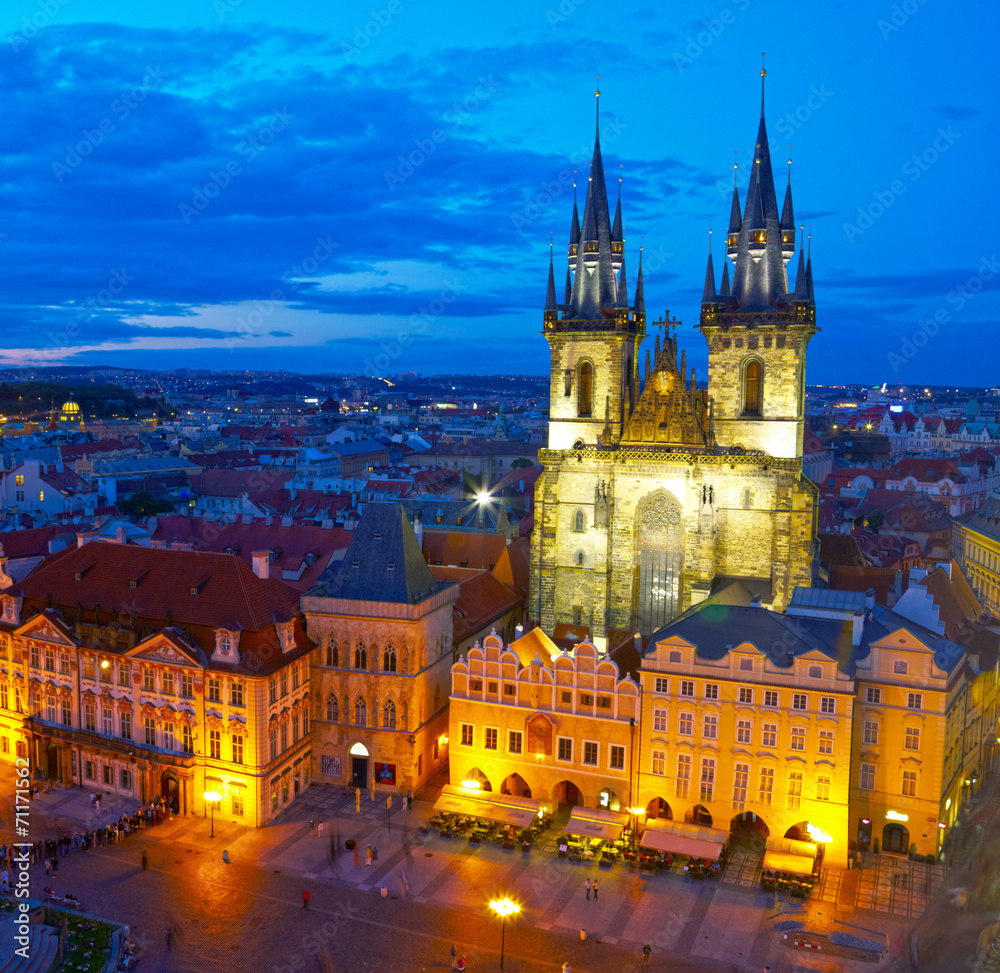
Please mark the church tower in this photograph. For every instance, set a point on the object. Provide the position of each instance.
(594, 335)
(758, 330)
(655, 492)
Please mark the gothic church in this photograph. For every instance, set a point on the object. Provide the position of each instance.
(655, 493)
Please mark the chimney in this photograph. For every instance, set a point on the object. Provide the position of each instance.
(59, 464)
(120, 534)
(869, 599)
(267, 520)
(261, 564)
(85, 537)
(518, 631)
(858, 626)
(418, 531)
(286, 521)
(756, 601)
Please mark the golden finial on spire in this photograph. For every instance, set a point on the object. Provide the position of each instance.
(598, 92)
(763, 70)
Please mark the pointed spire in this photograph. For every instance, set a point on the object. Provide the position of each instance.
(550, 291)
(574, 226)
(810, 293)
(616, 230)
(622, 286)
(801, 294)
(568, 294)
(683, 367)
(657, 355)
(708, 295)
(640, 294)
(646, 380)
(787, 212)
(724, 286)
(735, 220)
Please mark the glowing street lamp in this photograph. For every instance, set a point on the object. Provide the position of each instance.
(213, 798)
(504, 908)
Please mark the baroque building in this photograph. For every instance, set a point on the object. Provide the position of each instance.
(656, 490)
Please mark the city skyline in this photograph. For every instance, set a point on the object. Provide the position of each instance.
(190, 187)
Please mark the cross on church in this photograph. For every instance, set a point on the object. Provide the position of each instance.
(666, 323)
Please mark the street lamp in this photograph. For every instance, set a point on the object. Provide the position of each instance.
(213, 798)
(635, 812)
(504, 908)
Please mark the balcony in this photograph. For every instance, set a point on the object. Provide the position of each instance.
(106, 741)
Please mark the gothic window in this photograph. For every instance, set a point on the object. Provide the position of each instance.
(579, 558)
(360, 712)
(332, 710)
(360, 656)
(585, 390)
(389, 659)
(389, 715)
(579, 521)
(331, 652)
(753, 382)
(658, 563)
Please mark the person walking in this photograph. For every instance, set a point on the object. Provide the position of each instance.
(305, 899)
(55, 865)
(595, 888)
(48, 869)
(645, 955)
(145, 860)
(586, 885)
(453, 954)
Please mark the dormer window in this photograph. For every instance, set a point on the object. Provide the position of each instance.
(225, 645)
(8, 608)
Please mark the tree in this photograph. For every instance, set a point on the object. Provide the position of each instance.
(521, 462)
(144, 504)
(874, 520)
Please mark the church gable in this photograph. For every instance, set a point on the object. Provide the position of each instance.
(43, 629)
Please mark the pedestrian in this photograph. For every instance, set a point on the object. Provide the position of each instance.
(170, 938)
(566, 969)
(305, 900)
(48, 866)
(3, 879)
(645, 955)
(587, 887)
(409, 801)
(55, 865)
(595, 888)
(368, 856)
(145, 860)
(461, 963)
(453, 954)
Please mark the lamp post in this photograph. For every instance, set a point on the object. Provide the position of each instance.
(504, 908)
(213, 797)
(635, 812)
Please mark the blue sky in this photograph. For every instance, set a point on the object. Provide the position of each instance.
(339, 186)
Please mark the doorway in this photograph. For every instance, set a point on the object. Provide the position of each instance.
(895, 839)
(359, 771)
(53, 762)
(169, 790)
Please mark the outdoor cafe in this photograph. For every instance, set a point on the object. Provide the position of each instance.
(485, 816)
(594, 834)
(790, 866)
(701, 851)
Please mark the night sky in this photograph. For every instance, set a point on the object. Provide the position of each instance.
(318, 185)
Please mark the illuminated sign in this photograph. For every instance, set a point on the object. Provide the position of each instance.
(896, 816)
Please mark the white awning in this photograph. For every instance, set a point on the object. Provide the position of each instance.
(678, 838)
(503, 808)
(595, 822)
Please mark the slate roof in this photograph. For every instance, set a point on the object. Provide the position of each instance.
(383, 562)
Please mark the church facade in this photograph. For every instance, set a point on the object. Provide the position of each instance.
(656, 491)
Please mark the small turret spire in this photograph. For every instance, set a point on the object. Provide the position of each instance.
(550, 291)
(616, 230)
(801, 294)
(724, 286)
(735, 219)
(708, 295)
(810, 293)
(787, 222)
(568, 293)
(640, 294)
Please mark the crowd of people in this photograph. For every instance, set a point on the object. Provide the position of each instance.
(48, 851)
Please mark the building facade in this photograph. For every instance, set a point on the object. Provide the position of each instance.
(655, 488)
(383, 626)
(154, 673)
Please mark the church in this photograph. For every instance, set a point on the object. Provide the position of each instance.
(657, 492)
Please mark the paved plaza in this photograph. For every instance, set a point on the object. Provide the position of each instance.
(248, 914)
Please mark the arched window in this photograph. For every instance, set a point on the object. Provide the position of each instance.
(659, 556)
(389, 715)
(332, 710)
(585, 390)
(579, 521)
(360, 656)
(360, 712)
(753, 382)
(389, 659)
(579, 557)
(331, 652)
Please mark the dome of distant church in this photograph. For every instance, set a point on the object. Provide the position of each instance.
(70, 409)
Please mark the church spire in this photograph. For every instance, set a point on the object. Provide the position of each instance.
(735, 220)
(568, 292)
(801, 294)
(616, 230)
(787, 224)
(640, 294)
(724, 286)
(810, 293)
(622, 301)
(550, 290)
(708, 295)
